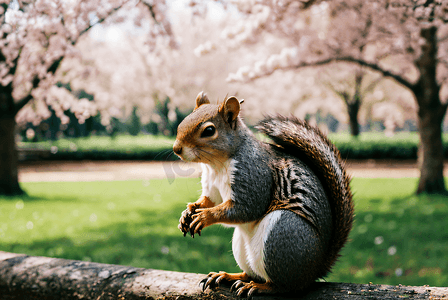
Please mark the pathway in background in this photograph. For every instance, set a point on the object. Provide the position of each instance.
(384, 168)
(104, 170)
(135, 170)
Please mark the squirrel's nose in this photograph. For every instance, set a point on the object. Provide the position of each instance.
(177, 148)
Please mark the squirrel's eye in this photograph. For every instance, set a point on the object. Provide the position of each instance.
(208, 131)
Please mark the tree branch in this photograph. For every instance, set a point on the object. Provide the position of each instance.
(98, 22)
(372, 85)
(22, 102)
(360, 62)
(165, 25)
(341, 93)
(2, 16)
(307, 3)
(151, 10)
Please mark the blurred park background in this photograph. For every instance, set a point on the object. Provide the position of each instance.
(101, 83)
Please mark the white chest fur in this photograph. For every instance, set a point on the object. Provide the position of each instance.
(248, 244)
(216, 182)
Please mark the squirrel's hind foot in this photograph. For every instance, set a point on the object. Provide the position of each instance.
(248, 289)
(213, 279)
(243, 286)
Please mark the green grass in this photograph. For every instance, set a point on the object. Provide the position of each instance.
(398, 238)
(135, 223)
(128, 223)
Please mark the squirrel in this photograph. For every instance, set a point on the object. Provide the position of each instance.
(289, 201)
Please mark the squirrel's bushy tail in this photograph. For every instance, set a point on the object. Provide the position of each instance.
(310, 145)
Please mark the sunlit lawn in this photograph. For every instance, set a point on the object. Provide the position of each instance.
(397, 238)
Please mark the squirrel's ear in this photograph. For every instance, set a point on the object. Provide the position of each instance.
(230, 110)
(201, 99)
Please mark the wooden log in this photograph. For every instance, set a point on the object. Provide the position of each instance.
(31, 277)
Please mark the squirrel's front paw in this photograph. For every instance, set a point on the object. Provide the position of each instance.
(202, 218)
(186, 219)
(184, 222)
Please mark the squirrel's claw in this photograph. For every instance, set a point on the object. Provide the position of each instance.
(242, 288)
(191, 232)
(212, 280)
(191, 221)
(208, 282)
(181, 228)
(240, 291)
(197, 224)
(251, 288)
(251, 292)
(185, 222)
(236, 285)
(203, 282)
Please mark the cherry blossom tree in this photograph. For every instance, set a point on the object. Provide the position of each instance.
(406, 40)
(35, 37)
(127, 75)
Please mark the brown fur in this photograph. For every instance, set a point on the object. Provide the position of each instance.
(202, 202)
(205, 217)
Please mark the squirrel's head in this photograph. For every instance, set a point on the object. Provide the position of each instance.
(208, 134)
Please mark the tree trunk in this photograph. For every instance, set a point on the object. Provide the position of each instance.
(9, 181)
(353, 109)
(431, 151)
(430, 116)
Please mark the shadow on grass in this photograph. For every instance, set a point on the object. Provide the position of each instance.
(30, 198)
(155, 243)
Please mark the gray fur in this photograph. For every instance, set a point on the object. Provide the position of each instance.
(296, 243)
(291, 251)
(252, 179)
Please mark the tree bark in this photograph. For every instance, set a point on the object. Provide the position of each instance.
(431, 151)
(9, 181)
(354, 104)
(30, 277)
(430, 117)
(353, 110)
